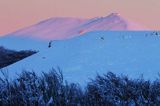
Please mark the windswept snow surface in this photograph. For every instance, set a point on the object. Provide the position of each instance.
(131, 53)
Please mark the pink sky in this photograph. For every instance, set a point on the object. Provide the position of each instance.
(16, 14)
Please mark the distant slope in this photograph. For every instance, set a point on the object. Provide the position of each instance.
(111, 22)
(63, 28)
(53, 28)
(131, 53)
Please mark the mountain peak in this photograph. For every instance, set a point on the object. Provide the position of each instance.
(114, 14)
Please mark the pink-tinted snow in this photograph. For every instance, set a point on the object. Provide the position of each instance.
(63, 28)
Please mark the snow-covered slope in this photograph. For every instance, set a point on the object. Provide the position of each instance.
(62, 28)
(122, 52)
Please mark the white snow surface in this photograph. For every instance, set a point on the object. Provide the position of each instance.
(131, 53)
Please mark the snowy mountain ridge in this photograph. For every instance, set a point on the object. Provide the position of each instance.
(64, 27)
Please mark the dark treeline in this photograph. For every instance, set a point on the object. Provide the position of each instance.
(50, 89)
(8, 57)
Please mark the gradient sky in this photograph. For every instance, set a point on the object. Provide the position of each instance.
(16, 14)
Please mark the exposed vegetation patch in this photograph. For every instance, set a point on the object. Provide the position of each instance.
(8, 57)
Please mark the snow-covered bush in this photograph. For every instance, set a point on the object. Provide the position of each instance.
(48, 89)
(51, 89)
(113, 90)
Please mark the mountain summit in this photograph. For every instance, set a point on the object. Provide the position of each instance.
(63, 28)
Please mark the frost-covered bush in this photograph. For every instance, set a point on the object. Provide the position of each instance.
(48, 89)
(51, 89)
(113, 90)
